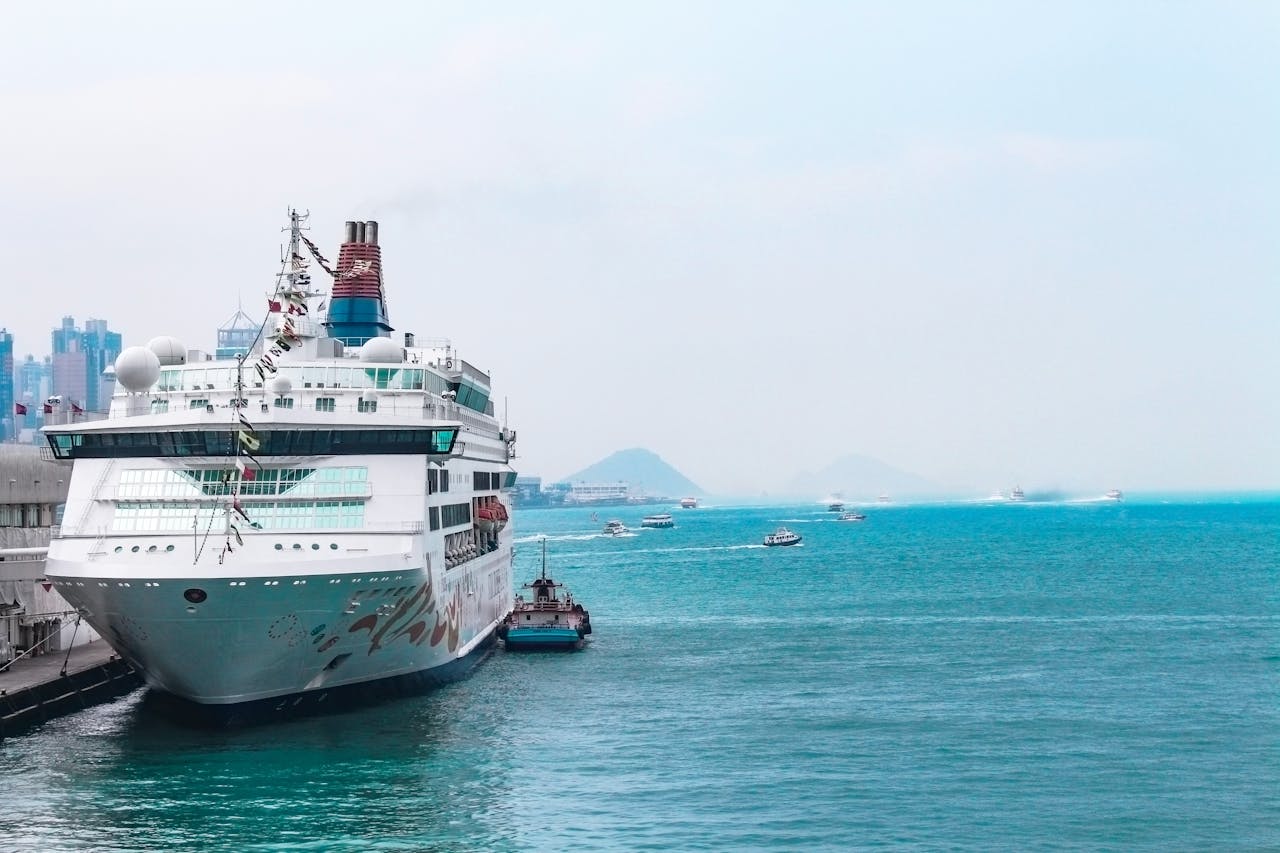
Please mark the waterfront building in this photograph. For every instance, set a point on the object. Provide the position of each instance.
(32, 494)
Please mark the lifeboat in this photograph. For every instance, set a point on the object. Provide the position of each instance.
(500, 517)
(485, 519)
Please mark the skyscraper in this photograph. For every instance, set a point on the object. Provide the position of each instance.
(35, 380)
(8, 419)
(79, 361)
(236, 335)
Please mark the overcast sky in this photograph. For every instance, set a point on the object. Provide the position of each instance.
(989, 243)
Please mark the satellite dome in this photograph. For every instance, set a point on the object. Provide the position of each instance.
(168, 349)
(381, 351)
(279, 385)
(137, 369)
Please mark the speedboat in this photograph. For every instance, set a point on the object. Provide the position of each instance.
(782, 536)
(1115, 495)
(662, 520)
(852, 516)
(614, 528)
(550, 621)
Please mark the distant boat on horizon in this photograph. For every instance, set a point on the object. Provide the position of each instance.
(1114, 495)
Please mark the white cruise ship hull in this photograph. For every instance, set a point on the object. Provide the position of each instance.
(263, 635)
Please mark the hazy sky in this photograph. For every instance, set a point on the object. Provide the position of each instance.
(985, 242)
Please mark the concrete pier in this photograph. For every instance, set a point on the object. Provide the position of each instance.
(34, 690)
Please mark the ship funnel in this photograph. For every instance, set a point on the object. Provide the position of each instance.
(357, 304)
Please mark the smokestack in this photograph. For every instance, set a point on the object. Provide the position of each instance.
(360, 232)
(351, 232)
(371, 232)
(408, 339)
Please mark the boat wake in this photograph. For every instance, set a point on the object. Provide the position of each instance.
(570, 537)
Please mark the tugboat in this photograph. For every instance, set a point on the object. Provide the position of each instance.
(662, 520)
(783, 536)
(550, 622)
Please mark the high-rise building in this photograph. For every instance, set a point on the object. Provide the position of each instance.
(80, 361)
(236, 335)
(35, 384)
(8, 417)
(101, 347)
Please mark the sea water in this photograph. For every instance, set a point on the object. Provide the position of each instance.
(1020, 676)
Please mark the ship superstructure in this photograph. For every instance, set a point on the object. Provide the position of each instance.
(325, 515)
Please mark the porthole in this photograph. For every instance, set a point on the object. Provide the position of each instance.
(134, 549)
(297, 547)
(151, 550)
(168, 547)
(333, 546)
(279, 547)
(315, 546)
(195, 595)
(119, 548)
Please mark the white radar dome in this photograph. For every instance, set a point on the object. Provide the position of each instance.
(168, 349)
(279, 385)
(137, 369)
(381, 351)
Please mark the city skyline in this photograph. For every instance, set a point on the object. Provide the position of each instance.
(988, 244)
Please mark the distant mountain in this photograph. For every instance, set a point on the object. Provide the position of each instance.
(859, 478)
(643, 469)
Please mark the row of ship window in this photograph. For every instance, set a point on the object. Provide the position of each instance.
(271, 443)
(193, 483)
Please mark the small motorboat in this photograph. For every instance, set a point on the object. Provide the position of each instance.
(782, 536)
(614, 528)
(1114, 495)
(662, 520)
(852, 516)
(551, 621)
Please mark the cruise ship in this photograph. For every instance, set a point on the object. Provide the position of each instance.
(321, 520)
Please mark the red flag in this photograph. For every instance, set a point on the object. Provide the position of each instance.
(273, 306)
(19, 409)
(75, 408)
(48, 409)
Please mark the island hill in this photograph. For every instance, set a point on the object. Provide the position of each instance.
(635, 476)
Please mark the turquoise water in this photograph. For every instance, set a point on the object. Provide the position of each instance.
(1069, 676)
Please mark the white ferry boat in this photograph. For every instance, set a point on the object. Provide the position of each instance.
(781, 537)
(322, 520)
(660, 520)
(688, 503)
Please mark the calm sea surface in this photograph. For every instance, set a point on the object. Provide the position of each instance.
(1065, 676)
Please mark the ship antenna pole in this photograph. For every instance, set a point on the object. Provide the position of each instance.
(544, 558)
